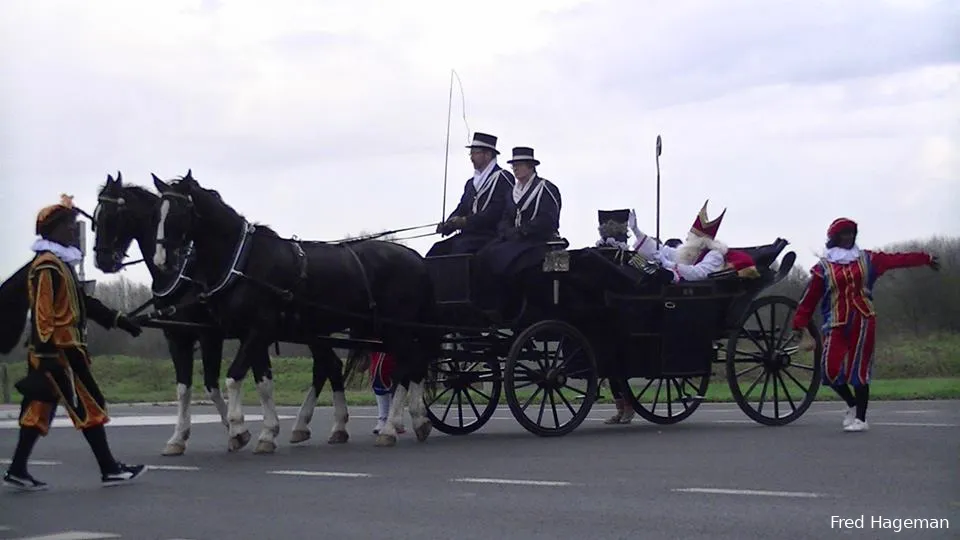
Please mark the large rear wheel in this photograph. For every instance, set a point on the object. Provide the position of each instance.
(772, 379)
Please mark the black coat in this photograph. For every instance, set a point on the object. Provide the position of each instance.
(525, 228)
(482, 211)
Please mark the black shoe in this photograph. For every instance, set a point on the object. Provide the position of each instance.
(23, 482)
(123, 474)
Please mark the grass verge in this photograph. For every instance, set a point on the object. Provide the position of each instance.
(126, 380)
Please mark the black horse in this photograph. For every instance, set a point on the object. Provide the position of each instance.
(268, 288)
(126, 213)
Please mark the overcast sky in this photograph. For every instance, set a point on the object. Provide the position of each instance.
(787, 113)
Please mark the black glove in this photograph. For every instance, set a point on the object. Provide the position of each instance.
(128, 325)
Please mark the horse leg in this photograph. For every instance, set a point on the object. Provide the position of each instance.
(211, 350)
(407, 356)
(263, 376)
(237, 433)
(181, 352)
(334, 368)
(415, 376)
(301, 428)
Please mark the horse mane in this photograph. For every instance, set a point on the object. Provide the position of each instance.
(226, 211)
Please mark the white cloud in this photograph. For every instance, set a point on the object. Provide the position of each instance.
(786, 113)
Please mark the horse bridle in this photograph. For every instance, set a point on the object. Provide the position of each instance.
(112, 245)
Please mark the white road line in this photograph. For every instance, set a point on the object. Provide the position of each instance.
(33, 462)
(718, 491)
(321, 473)
(913, 424)
(4, 528)
(72, 535)
(510, 482)
(172, 468)
(919, 411)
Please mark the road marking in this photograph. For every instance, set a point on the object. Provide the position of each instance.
(719, 491)
(510, 482)
(913, 424)
(146, 420)
(173, 468)
(732, 422)
(321, 473)
(4, 528)
(72, 535)
(33, 462)
(915, 412)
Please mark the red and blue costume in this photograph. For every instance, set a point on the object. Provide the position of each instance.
(841, 290)
(381, 373)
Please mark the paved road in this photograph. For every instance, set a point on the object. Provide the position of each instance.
(715, 476)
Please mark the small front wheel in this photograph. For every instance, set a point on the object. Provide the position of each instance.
(553, 364)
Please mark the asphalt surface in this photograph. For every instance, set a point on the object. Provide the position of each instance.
(717, 475)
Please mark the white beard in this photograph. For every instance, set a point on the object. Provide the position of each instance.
(694, 246)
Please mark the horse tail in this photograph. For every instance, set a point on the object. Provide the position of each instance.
(431, 337)
(14, 305)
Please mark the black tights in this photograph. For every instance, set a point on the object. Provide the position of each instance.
(96, 438)
(858, 398)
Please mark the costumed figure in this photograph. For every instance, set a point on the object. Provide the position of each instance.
(58, 364)
(530, 219)
(699, 256)
(481, 205)
(841, 290)
(381, 378)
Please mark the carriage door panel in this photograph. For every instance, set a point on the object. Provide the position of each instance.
(689, 319)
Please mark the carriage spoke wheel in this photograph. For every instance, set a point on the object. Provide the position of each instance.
(772, 379)
(666, 400)
(465, 393)
(550, 378)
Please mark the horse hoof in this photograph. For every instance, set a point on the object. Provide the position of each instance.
(386, 440)
(265, 447)
(338, 437)
(423, 431)
(239, 441)
(174, 449)
(299, 435)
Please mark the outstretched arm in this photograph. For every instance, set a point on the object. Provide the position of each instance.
(100, 313)
(884, 262)
(811, 297)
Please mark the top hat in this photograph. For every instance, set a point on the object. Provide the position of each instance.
(523, 153)
(483, 140)
(616, 216)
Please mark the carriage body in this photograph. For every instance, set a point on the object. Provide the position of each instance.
(631, 327)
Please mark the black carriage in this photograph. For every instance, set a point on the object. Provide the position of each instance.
(592, 314)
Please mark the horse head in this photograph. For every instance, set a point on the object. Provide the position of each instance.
(190, 214)
(123, 214)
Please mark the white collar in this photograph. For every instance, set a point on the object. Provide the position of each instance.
(69, 255)
(480, 176)
(520, 190)
(842, 255)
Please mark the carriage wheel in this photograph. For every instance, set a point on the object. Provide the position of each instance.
(764, 358)
(550, 361)
(666, 400)
(460, 402)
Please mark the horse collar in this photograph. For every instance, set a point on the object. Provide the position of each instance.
(239, 261)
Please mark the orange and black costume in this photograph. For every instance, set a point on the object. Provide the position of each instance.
(58, 362)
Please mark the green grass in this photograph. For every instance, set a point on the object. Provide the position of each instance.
(927, 368)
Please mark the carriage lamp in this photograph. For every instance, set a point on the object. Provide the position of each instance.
(556, 261)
